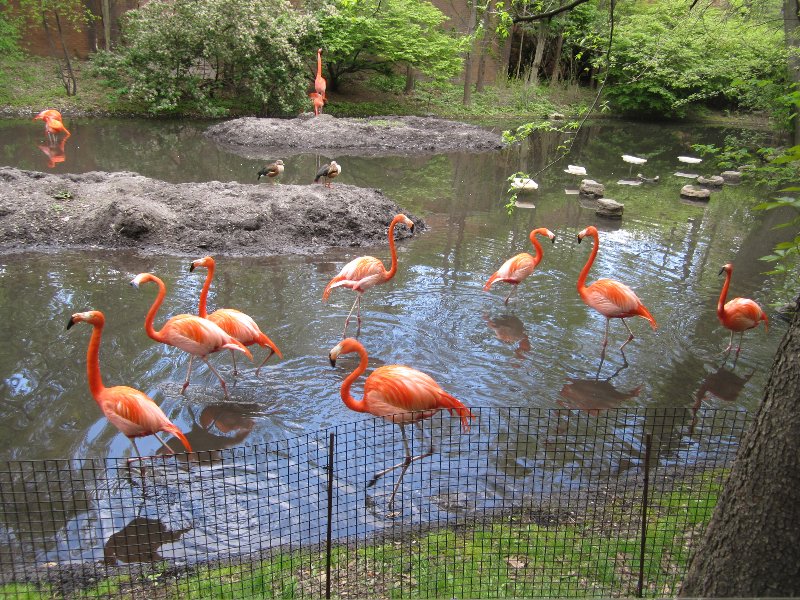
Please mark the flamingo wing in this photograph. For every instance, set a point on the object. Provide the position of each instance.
(359, 274)
(612, 298)
(742, 314)
(132, 411)
(516, 268)
(396, 389)
(197, 336)
(236, 324)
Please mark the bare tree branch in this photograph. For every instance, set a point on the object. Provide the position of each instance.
(549, 13)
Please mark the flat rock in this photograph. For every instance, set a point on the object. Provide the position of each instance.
(608, 208)
(589, 187)
(254, 137)
(713, 181)
(695, 193)
(731, 176)
(126, 210)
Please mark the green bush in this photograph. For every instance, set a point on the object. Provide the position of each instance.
(9, 34)
(196, 56)
(667, 60)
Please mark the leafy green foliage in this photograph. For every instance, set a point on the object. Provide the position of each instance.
(379, 35)
(9, 33)
(666, 60)
(194, 56)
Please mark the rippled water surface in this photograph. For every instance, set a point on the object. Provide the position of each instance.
(540, 351)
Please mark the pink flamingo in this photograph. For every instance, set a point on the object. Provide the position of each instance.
(363, 272)
(320, 85)
(517, 268)
(233, 322)
(199, 337)
(398, 394)
(128, 409)
(612, 299)
(739, 314)
(53, 127)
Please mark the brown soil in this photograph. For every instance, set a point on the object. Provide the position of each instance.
(126, 210)
(369, 136)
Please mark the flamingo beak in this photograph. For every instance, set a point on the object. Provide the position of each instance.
(412, 228)
(722, 270)
(191, 267)
(553, 239)
(579, 238)
(135, 284)
(72, 322)
(332, 358)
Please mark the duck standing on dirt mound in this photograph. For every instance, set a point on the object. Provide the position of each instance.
(272, 170)
(328, 171)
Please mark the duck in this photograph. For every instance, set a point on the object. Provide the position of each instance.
(272, 170)
(328, 171)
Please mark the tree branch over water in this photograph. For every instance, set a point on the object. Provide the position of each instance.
(549, 13)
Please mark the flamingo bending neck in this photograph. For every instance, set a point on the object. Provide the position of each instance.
(537, 246)
(210, 265)
(724, 293)
(151, 314)
(347, 397)
(392, 248)
(96, 386)
(589, 262)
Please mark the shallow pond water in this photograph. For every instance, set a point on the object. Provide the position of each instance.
(540, 351)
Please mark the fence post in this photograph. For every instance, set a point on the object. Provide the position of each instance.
(645, 501)
(331, 445)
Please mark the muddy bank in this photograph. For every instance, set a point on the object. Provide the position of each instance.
(40, 211)
(254, 137)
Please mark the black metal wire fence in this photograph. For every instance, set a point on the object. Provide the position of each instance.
(530, 502)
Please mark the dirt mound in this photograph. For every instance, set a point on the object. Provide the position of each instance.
(371, 136)
(127, 210)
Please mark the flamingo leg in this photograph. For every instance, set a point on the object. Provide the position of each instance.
(730, 344)
(513, 289)
(221, 380)
(347, 320)
(630, 335)
(403, 465)
(358, 314)
(138, 457)
(741, 338)
(163, 443)
(605, 338)
(271, 352)
(188, 373)
(233, 356)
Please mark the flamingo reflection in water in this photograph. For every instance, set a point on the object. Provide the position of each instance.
(510, 330)
(55, 153)
(595, 395)
(723, 384)
(398, 394)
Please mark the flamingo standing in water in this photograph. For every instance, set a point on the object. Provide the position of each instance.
(363, 272)
(53, 127)
(612, 299)
(518, 267)
(398, 394)
(320, 85)
(128, 409)
(739, 314)
(233, 322)
(199, 337)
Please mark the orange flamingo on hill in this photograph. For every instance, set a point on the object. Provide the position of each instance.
(398, 394)
(199, 337)
(320, 85)
(518, 267)
(233, 322)
(318, 102)
(128, 409)
(739, 314)
(612, 299)
(363, 272)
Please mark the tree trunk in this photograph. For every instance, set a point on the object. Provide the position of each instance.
(410, 80)
(64, 66)
(791, 22)
(483, 49)
(505, 52)
(751, 546)
(555, 74)
(519, 52)
(106, 22)
(473, 22)
(537, 57)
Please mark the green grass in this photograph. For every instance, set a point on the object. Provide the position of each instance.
(508, 558)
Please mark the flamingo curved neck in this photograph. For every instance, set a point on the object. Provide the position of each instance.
(538, 247)
(151, 314)
(347, 397)
(588, 265)
(392, 249)
(93, 363)
(319, 64)
(202, 310)
(723, 294)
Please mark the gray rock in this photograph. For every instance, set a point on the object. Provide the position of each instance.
(608, 208)
(695, 193)
(714, 180)
(732, 176)
(589, 187)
